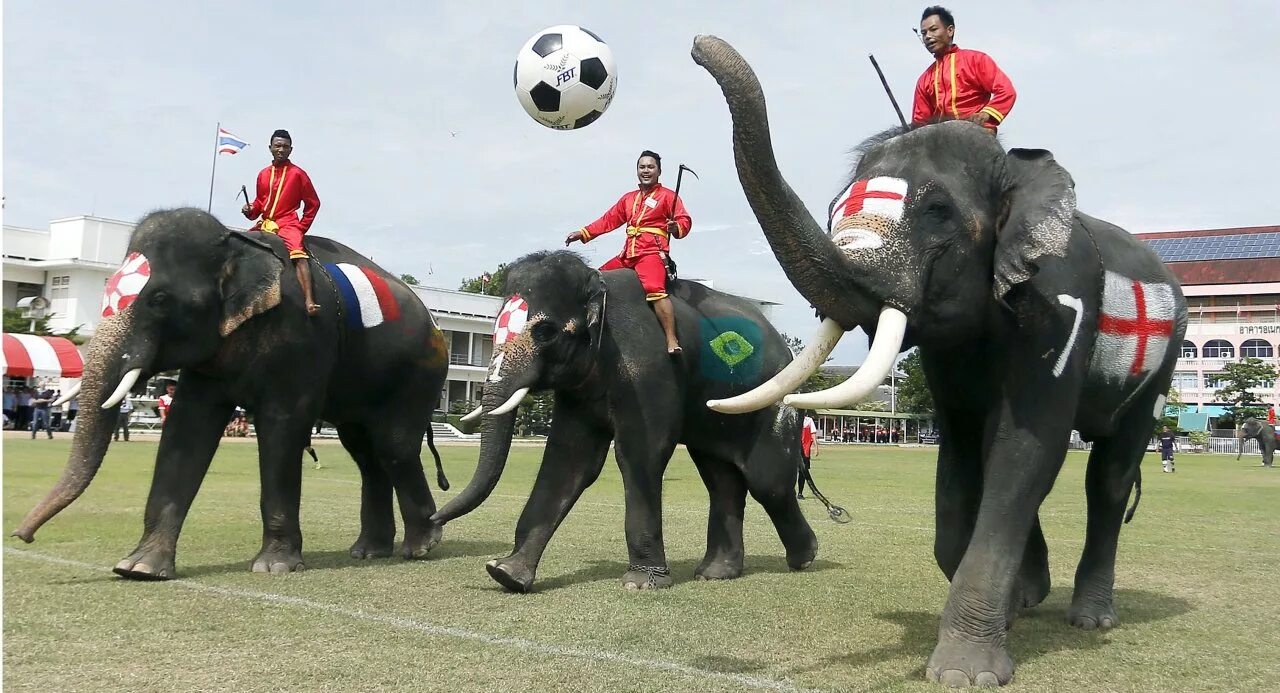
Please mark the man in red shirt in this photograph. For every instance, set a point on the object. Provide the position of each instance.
(164, 402)
(283, 187)
(808, 439)
(961, 83)
(648, 237)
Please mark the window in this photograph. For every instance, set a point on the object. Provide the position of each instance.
(1219, 349)
(61, 287)
(1183, 380)
(1257, 348)
(1213, 381)
(1189, 350)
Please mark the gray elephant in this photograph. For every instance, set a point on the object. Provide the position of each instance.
(1032, 319)
(215, 303)
(1260, 431)
(591, 338)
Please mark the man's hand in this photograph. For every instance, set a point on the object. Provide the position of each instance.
(246, 209)
(672, 228)
(575, 236)
(980, 118)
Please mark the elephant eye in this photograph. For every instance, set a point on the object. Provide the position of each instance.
(158, 299)
(544, 331)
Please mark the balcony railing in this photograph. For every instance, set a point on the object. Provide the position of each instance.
(464, 360)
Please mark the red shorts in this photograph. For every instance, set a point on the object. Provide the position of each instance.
(651, 270)
(292, 237)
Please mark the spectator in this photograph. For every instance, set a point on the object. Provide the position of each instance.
(808, 446)
(24, 407)
(10, 403)
(122, 419)
(40, 410)
(1167, 442)
(165, 401)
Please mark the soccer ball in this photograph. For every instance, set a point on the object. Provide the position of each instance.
(564, 77)
(124, 286)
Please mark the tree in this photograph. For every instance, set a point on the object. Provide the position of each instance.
(409, 279)
(15, 322)
(490, 283)
(914, 396)
(533, 417)
(817, 380)
(1173, 405)
(1238, 379)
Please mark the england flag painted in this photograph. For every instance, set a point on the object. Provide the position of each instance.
(1133, 329)
(229, 143)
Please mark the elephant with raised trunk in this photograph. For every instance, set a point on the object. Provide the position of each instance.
(590, 337)
(218, 304)
(1260, 431)
(1032, 319)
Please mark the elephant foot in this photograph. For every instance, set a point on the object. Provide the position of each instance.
(1091, 616)
(1030, 589)
(959, 663)
(141, 565)
(279, 561)
(372, 548)
(514, 577)
(802, 558)
(419, 544)
(643, 577)
(718, 570)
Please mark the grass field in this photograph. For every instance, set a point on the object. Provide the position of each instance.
(1196, 590)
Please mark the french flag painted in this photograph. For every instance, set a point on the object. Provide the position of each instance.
(366, 298)
(229, 143)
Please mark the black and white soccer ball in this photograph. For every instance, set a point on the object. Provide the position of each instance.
(565, 77)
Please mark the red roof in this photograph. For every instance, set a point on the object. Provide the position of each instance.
(1207, 232)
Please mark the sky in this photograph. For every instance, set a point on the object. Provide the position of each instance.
(404, 115)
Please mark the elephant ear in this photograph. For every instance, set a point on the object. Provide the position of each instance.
(1039, 207)
(595, 295)
(250, 282)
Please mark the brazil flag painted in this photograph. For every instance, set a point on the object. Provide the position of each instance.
(732, 349)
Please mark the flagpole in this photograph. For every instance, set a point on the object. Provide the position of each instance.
(214, 171)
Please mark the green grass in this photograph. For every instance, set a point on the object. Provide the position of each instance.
(1195, 589)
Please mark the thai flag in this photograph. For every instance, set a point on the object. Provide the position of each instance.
(366, 298)
(229, 143)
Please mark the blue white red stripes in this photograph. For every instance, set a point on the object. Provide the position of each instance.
(229, 143)
(367, 299)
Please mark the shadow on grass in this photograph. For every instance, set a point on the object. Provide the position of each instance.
(681, 571)
(1037, 632)
(342, 560)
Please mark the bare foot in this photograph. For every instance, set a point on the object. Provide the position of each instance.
(312, 309)
(674, 349)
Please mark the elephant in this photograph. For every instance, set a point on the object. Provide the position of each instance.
(613, 380)
(218, 305)
(1260, 431)
(1031, 319)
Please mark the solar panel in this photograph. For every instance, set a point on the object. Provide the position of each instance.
(1233, 247)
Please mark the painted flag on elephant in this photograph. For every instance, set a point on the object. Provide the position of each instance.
(367, 300)
(1134, 327)
(229, 143)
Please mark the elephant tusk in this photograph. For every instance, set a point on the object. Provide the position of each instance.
(511, 403)
(475, 414)
(126, 384)
(788, 379)
(890, 330)
(67, 396)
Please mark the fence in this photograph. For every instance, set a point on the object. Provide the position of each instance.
(1225, 445)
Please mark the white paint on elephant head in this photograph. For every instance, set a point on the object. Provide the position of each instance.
(123, 287)
(1077, 306)
(858, 239)
(1159, 410)
(881, 196)
(495, 368)
(511, 320)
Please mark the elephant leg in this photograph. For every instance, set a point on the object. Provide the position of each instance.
(727, 489)
(1023, 459)
(770, 471)
(643, 459)
(377, 522)
(957, 487)
(281, 439)
(1268, 444)
(399, 447)
(572, 460)
(1033, 576)
(190, 438)
(1112, 471)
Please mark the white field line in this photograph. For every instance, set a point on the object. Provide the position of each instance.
(856, 521)
(519, 645)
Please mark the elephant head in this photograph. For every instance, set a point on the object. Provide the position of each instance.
(187, 283)
(934, 221)
(547, 336)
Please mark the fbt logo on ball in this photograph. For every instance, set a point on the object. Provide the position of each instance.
(564, 77)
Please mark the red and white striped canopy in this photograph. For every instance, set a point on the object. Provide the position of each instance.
(27, 355)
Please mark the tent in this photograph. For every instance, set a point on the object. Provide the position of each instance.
(27, 355)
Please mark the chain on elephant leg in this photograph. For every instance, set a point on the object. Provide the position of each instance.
(647, 577)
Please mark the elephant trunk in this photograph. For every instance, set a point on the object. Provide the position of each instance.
(815, 266)
(495, 444)
(94, 425)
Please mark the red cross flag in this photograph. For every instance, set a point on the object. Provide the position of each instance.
(124, 286)
(511, 320)
(882, 196)
(1134, 328)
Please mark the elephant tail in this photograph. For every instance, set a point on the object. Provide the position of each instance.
(836, 512)
(1137, 487)
(431, 445)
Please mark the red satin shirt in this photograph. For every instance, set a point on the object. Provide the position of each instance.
(281, 191)
(646, 218)
(961, 83)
